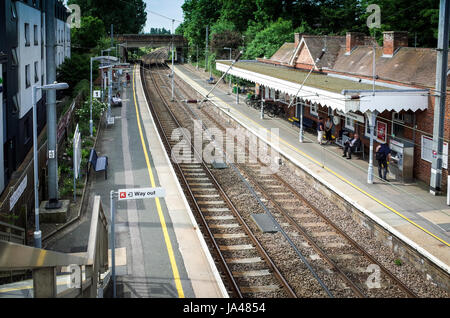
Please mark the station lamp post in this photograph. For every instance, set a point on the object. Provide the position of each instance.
(227, 48)
(105, 58)
(103, 81)
(55, 86)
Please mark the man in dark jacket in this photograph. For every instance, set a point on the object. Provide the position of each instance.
(383, 154)
(351, 146)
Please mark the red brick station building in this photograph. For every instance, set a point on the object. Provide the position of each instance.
(341, 86)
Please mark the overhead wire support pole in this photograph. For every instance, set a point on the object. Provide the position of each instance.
(173, 21)
(223, 75)
(300, 137)
(439, 108)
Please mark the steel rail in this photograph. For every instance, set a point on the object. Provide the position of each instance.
(226, 270)
(234, 210)
(355, 288)
(281, 230)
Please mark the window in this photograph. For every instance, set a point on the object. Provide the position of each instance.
(314, 110)
(349, 123)
(13, 10)
(15, 59)
(398, 121)
(27, 76)
(27, 34)
(36, 35)
(36, 75)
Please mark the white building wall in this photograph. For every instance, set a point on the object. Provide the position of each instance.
(28, 55)
(62, 41)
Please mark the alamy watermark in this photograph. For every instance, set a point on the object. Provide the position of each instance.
(236, 145)
(74, 20)
(374, 20)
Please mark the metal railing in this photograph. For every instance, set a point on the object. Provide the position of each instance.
(45, 264)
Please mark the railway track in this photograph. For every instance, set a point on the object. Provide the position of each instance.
(249, 270)
(319, 236)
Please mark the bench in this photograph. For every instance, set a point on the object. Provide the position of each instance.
(342, 140)
(307, 123)
(98, 163)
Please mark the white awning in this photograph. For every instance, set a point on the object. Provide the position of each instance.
(348, 101)
(386, 100)
(314, 95)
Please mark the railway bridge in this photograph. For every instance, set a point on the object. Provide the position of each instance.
(154, 41)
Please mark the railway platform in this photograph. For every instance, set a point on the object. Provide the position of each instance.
(160, 251)
(406, 210)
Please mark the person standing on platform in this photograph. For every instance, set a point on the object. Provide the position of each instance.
(320, 130)
(383, 155)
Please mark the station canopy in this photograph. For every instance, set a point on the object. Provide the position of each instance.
(342, 94)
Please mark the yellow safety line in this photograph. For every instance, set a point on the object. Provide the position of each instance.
(340, 177)
(173, 263)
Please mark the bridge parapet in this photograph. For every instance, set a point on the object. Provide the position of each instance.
(151, 40)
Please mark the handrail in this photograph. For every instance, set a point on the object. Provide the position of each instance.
(45, 263)
(20, 257)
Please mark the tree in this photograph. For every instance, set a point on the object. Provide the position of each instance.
(74, 70)
(128, 17)
(419, 18)
(228, 39)
(87, 36)
(269, 40)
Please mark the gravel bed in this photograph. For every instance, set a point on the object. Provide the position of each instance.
(292, 268)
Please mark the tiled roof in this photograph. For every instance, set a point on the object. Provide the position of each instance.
(414, 66)
(333, 45)
(284, 54)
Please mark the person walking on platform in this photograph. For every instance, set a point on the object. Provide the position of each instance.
(383, 154)
(320, 130)
(128, 79)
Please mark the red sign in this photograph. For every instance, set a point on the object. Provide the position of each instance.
(381, 131)
(123, 195)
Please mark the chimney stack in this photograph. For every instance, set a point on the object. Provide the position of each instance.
(353, 39)
(298, 38)
(392, 40)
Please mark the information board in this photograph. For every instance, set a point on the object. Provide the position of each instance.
(427, 151)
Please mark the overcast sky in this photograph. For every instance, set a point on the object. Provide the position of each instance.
(169, 8)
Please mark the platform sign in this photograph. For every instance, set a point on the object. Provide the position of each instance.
(97, 94)
(138, 194)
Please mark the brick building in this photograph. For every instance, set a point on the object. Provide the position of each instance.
(342, 85)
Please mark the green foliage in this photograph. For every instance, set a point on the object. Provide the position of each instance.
(75, 69)
(269, 40)
(159, 31)
(82, 87)
(83, 116)
(398, 262)
(87, 36)
(328, 17)
(128, 17)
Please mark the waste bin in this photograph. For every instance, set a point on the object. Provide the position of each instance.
(235, 89)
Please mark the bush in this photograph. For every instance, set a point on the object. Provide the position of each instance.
(82, 87)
